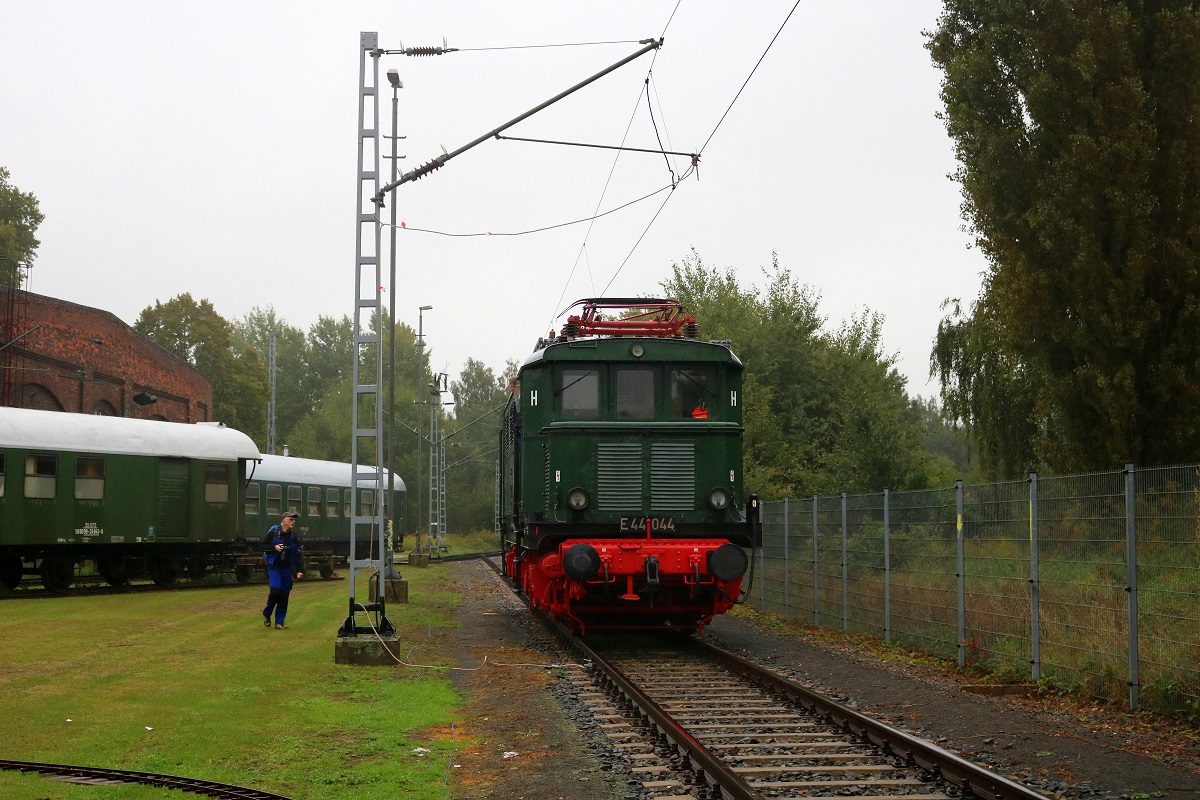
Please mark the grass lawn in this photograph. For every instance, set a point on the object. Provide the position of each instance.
(190, 683)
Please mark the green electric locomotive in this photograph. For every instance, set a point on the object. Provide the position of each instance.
(621, 499)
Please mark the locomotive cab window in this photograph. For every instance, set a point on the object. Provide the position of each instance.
(274, 499)
(331, 503)
(89, 478)
(580, 390)
(693, 392)
(216, 483)
(252, 494)
(41, 473)
(635, 393)
(293, 501)
(314, 501)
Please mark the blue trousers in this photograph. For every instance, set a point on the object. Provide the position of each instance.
(277, 599)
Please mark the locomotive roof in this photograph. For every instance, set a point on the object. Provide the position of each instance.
(657, 350)
(289, 469)
(29, 429)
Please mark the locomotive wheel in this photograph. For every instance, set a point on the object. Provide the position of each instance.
(326, 570)
(57, 574)
(113, 571)
(243, 573)
(164, 571)
(195, 567)
(12, 569)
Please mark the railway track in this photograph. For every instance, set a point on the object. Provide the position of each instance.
(694, 722)
(92, 776)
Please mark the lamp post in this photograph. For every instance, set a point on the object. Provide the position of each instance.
(390, 572)
(420, 386)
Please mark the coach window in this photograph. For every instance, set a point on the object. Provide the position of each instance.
(580, 390)
(635, 393)
(252, 494)
(347, 502)
(41, 473)
(367, 502)
(89, 478)
(314, 501)
(216, 483)
(331, 503)
(2, 474)
(693, 392)
(293, 503)
(274, 499)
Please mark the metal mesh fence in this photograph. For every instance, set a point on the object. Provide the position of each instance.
(1088, 582)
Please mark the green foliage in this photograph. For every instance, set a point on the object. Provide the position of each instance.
(20, 217)
(472, 443)
(1074, 128)
(825, 411)
(195, 332)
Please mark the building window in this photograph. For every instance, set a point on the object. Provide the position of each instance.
(314, 501)
(89, 478)
(274, 499)
(580, 389)
(331, 503)
(252, 495)
(293, 503)
(635, 393)
(41, 473)
(216, 483)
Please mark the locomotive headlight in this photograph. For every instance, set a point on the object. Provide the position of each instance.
(718, 498)
(578, 499)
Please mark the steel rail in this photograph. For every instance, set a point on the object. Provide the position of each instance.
(99, 776)
(953, 769)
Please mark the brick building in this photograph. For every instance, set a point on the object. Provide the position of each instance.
(59, 356)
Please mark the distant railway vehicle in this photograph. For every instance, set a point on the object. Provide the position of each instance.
(319, 493)
(142, 498)
(621, 495)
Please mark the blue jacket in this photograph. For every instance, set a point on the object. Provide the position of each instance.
(292, 559)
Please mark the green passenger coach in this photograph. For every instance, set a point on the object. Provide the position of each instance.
(621, 496)
(133, 496)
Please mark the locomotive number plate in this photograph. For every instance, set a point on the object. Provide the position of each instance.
(639, 523)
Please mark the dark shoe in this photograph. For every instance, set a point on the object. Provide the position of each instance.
(267, 621)
(279, 627)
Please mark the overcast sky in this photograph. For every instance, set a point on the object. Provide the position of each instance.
(212, 148)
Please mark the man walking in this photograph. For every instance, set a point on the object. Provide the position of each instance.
(284, 557)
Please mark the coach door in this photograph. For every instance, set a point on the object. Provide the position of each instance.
(173, 515)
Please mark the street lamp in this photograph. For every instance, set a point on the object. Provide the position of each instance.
(394, 80)
(420, 349)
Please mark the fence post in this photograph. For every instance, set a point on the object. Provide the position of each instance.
(887, 570)
(816, 562)
(1131, 587)
(1035, 586)
(787, 570)
(961, 567)
(845, 572)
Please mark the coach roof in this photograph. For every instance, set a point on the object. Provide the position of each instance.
(288, 469)
(27, 429)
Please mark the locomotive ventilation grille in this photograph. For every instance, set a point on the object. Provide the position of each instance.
(618, 477)
(620, 469)
(672, 476)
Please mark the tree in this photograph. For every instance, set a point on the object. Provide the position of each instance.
(472, 441)
(825, 411)
(1074, 125)
(195, 332)
(292, 400)
(20, 217)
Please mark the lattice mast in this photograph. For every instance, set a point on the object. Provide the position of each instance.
(367, 412)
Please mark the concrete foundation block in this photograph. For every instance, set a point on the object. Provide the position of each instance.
(366, 650)
(418, 559)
